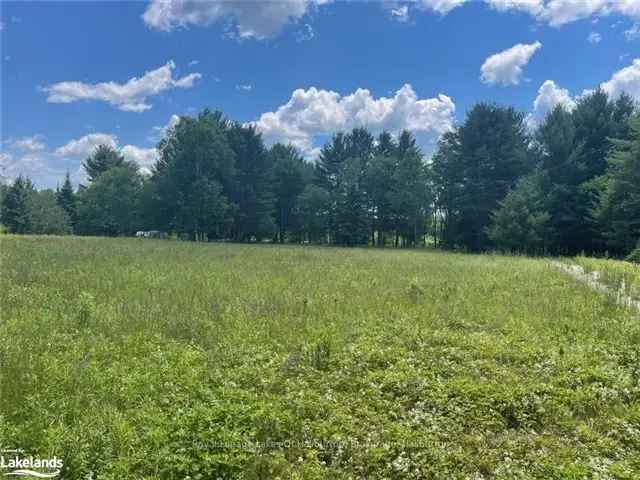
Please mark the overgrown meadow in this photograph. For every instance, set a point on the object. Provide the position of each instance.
(143, 359)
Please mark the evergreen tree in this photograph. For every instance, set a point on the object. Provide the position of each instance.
(578, 150)
(409, 195)
(207, 212)
(103, 158)
(110, 205)
(196, 149)
(484, 157)
(332, 157)
(446, 175)
(252, 191)
(289, 181)
(66, 198)
(521, 221)
(351, 221)
(561, 159)
(380, 187)
(15, 206)
(618, 210)
(314, 206)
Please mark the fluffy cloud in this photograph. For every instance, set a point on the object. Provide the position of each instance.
(625, 80)
(245, 88)
(84, 146)
(144, 157)
(30, 144)
(130, 96)
(258, 20)
(505, 68)
(560, 12)
(313, 112)
(47, 167)
(266, 19)
(43, 167)
(440, 6)
(34, 165)
(533, 7)
(549, 95)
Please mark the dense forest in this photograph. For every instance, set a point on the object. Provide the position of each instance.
(570, 185)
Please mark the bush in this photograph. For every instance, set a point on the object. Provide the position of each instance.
(634, 256)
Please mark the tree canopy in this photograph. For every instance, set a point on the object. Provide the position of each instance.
(570, 185)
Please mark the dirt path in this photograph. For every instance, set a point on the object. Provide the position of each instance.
(593, 281)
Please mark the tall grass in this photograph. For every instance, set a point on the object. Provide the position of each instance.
(152, 359)
(619, 275)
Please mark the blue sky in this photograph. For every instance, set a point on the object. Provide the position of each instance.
(76, 74)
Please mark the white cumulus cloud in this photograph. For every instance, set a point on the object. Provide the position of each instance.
(130, 96)
(144, 157)
(85, 146)
(47, 167)
(625, 80)
(313, 112)
(30, 144)
(561, 12)
(505, 68)
(251, 19)
(549, 96)
(533, 7)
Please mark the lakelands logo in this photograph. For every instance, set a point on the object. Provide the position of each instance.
(13, 463)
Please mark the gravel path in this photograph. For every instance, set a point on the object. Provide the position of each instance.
(593, 281)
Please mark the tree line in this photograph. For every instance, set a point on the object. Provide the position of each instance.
(570, 185)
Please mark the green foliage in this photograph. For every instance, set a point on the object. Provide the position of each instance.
(409, 198)
(195, 154)
(28, 211)
(66, 198)
(521, 221)
(350, 223)
(103, 158)
(290, 176)
(215, 179)
(618, 211)
(110, 205)
(15, 206)
(252, 190)
(477, 165)
(576, 159)
(46, 216)
(314, 205)
(634, 256)
(165, 360)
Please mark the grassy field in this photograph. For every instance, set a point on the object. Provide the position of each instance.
(143, 359)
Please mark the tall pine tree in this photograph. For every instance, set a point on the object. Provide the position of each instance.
(66, 198)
